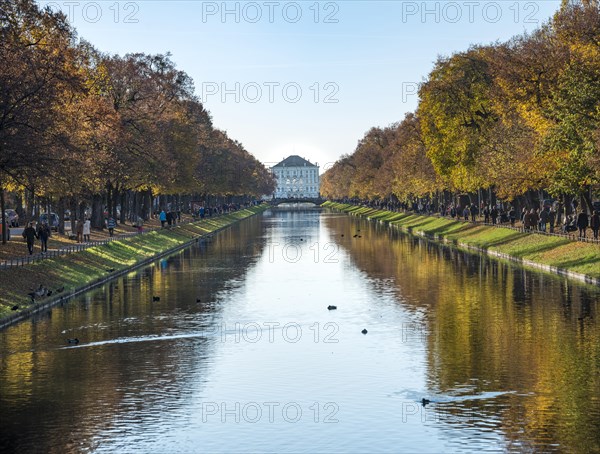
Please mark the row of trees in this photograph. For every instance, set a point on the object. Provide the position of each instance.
(516, 117)
(77, 125)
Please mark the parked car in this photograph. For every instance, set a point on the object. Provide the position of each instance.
(12, 218)
(53, 222)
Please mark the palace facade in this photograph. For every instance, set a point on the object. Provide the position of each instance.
(296, 178)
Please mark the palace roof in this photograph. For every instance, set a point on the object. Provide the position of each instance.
(295, 161)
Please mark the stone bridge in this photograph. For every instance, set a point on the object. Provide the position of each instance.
(278, 201)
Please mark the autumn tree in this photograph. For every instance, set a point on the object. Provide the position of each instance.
(36, 56)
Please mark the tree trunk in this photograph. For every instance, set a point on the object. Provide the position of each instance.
(73, 217)
(19, 206)
(115, 200)
(3, 216)
(109, 198)
(136, 205)
(61, 215)
(97, 220)
(586, 201)
(81, 211)
(124, 210)
(147, 204)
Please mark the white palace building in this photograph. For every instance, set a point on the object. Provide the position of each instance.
(296, 178)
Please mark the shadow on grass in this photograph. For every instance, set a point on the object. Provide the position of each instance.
(573, 263)
(450, 229)
(504, 240)
(536, 249)
(417, 224)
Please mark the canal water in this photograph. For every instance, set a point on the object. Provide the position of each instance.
(241, 353)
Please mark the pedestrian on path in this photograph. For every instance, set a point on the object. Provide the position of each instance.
(582, 223)
(80, 231)
(473, 211)
(162, 218)
(595, 223)
(494, 215)
(552, 219)
(544, 219)
(512, 215)
(30, 235)
(43, 233)
(87, 230)
(111, 224)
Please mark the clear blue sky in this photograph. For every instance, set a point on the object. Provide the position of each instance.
(250, 59)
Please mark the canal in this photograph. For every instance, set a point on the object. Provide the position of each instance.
(229, 346)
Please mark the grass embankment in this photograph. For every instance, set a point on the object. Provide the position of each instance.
(79, 269)
(559, 252)
(17, 247)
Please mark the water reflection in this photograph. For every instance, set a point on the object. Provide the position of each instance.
(495, 327)
(58, 397)
(241, 353)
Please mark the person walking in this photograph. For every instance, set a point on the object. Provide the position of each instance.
(535, 219)
(494, 215)
(111, 224)
(30, 236)
(552, 219)
(544, 219)
(512, 216)
(528, 220)
(582, 223)
(486, 214)
(87, 230)
(473, 212)
(43, 233)
(80, 231)
(595, 223)
(163, 218)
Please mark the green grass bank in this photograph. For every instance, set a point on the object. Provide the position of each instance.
(83, 270)
(550, 253)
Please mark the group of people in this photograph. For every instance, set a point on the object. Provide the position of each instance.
(545, 219)
(169, 218)
(581, 222)
(542, 221)
(84, 231)
(219, 209)
(41, 232)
